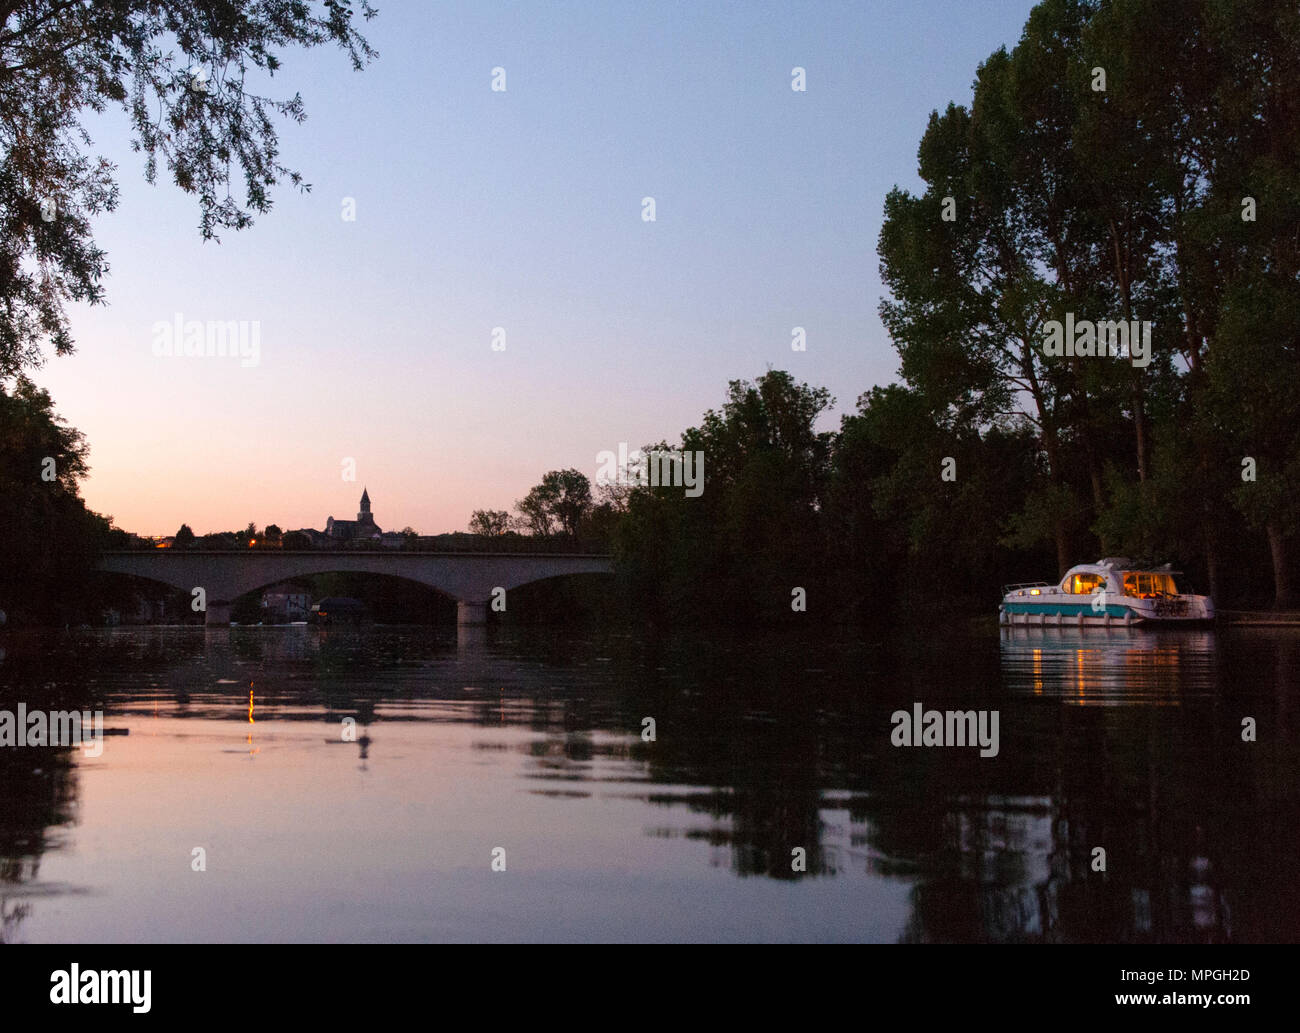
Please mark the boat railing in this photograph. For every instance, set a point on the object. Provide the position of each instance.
(1008, 589)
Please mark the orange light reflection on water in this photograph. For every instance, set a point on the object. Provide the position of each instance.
(252, 750)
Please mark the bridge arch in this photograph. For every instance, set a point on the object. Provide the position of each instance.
(469, 578)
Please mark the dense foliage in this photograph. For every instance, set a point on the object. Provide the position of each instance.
(190, 77)
(50, 540)
(1134, 161)
(1126, 161)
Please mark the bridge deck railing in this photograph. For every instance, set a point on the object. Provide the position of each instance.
(440, 545)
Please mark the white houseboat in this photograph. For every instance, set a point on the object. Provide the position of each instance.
(1108, 593)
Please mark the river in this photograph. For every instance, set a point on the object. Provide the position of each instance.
(401, 784)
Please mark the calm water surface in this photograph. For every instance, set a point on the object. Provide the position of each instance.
(531, 741)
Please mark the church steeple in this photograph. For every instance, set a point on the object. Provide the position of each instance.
(365, 505)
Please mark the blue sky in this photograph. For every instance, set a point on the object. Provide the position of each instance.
(477, 209)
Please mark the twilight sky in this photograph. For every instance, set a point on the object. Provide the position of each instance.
(477, 209)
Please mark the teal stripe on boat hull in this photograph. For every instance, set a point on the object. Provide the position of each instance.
(1068, 610)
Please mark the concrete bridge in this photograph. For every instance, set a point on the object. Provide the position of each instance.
(468, 577)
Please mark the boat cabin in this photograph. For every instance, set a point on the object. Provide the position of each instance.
(1138, 584)
(1110, 576)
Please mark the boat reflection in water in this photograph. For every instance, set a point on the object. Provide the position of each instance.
(1146, 795)
(1115, 667)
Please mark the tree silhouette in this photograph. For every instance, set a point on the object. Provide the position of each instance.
(186, 73)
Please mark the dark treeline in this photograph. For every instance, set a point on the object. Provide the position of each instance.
(50, 540)
(1135, 161)
(1125, 162)
(861, 520)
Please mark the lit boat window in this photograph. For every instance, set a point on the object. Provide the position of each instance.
(1147, 584)
(1086, 584)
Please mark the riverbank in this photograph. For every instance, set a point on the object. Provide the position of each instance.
(1261, 618)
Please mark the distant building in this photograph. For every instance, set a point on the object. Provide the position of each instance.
(140, 608)
(285, 603)
(338, 610)
(339, 533)
(362, 529)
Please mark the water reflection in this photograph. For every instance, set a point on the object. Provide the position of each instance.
(771, 761)
(38, 789)
(1109, 667)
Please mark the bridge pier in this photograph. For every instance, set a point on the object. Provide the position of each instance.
(217, 614)
(470, 639)
(470, 613)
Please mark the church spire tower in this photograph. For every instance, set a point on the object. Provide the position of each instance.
(364, 516)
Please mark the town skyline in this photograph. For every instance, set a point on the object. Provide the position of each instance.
(326, 529)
